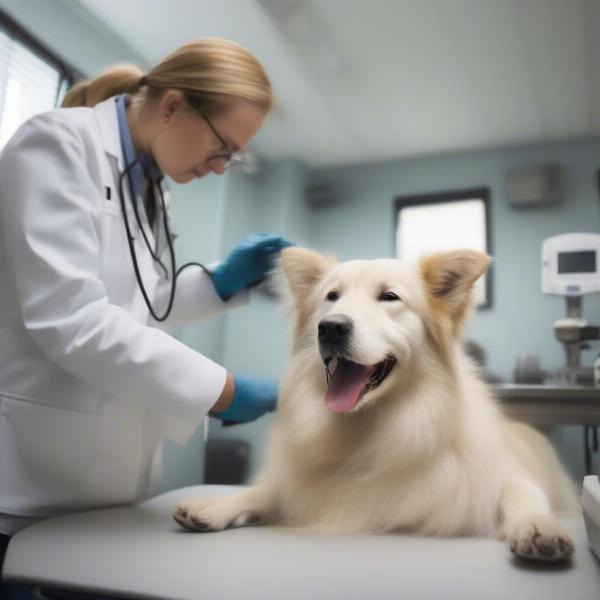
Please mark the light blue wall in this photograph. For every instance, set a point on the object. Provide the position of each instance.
(197, 222)
(255, 337)
(521, 317)
(197, 211)
(361, 224)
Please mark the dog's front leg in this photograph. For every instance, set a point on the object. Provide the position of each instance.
(216, 514)
(528, 525)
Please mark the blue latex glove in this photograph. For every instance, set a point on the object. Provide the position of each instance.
(253, 397)
(248, 263)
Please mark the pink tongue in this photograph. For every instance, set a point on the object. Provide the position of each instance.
(346, 384)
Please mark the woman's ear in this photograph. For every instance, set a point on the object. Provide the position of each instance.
(170, 102)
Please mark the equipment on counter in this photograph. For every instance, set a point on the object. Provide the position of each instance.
(571, 268)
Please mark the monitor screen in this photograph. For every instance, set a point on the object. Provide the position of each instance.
(577, 262)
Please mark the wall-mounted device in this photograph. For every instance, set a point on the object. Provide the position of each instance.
(571, 268)
(533, 186)
(571, 264)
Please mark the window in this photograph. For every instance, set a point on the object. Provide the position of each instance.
(447, 221)
(32, 80)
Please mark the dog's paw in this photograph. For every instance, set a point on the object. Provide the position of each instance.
(212, 514)
(539, 537)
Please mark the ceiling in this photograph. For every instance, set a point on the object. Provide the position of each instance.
(370, 80)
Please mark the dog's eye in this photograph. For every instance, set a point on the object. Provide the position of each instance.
(333, 296)
(388, 297)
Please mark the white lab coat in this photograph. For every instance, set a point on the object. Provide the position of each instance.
(89, 387)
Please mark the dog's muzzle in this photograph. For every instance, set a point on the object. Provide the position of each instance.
(334, 334)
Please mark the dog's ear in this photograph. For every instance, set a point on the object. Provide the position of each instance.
(303, 269)
(449, 279)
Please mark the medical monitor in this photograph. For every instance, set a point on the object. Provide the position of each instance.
(570, 264)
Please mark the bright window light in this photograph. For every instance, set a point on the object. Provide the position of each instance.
(28, 85)
(427, 227)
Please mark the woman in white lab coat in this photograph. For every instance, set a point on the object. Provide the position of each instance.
(90, 385)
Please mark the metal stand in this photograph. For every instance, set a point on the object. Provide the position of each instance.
(573, 337)
(573, 349)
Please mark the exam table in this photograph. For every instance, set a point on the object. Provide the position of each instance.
(140, 552)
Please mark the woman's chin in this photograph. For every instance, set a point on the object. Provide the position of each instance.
(182, 178)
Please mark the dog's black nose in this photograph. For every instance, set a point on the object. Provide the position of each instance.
(334, 332)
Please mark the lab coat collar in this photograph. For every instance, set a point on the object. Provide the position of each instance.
(106, 112)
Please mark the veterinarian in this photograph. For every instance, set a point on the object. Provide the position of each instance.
(90, 385)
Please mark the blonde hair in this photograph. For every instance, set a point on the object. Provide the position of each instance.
(114, 80)
(213, 74)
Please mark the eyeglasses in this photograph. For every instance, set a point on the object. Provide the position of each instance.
(226, 157)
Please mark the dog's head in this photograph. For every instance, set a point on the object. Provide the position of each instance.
(368, 323)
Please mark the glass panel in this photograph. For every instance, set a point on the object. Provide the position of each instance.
(28, 85)
(441, 226)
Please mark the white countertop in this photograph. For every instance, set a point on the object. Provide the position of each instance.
(138, 551)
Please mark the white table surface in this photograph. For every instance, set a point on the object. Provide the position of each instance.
(138, 551)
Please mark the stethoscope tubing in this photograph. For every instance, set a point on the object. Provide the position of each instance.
(155, 257)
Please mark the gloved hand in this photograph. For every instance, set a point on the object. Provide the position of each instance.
(247, 263)
(253, 397)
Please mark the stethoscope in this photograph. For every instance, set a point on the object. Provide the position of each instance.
(167, 230)
(146, 168)
(156, 183)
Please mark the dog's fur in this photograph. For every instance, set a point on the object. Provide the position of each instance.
(428, 450)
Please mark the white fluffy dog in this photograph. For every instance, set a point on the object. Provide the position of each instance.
(383, 423)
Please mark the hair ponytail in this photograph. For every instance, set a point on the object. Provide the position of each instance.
(214, 74)
(115, 80)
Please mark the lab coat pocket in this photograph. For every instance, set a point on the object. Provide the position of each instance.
(112, 209)
(116, 270)
(63, 460)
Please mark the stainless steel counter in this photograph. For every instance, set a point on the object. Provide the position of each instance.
(550, 405)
